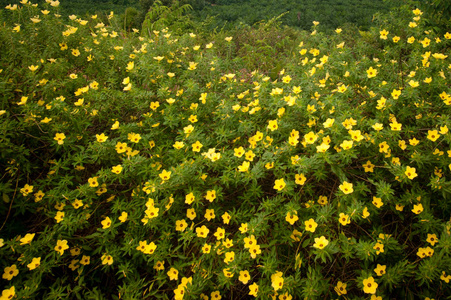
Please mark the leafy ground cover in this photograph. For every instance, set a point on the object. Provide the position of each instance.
(260, 162)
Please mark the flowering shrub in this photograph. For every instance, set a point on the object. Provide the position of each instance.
(159, 166)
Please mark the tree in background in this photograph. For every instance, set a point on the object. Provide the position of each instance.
(130, 19)
(160, 16)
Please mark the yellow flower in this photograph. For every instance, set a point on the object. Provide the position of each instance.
(310, 225)
(134, 137)
(253, 289)
(151, 212)
(191, 213)
(365, 213)
(197, 146)
(377, 202)
(128, 87)
(11, 292)
(346, 145)
(38, 196)
(178, 145)
(216, 295)
(189, 198)
(322, 148)
(180, 225)
(206, 248)
(417, 208)
(159, 265)
(378, 126)
(101, 138)
(226, 218)
(433, 135)
(369, 285)
(27, 238)
(117, 169)
(310, 137)
(243, 228)
(106, 223)
(244, 167)
(85, 260)
(279, 184)
(380, 269)
(10, 272)
(425, 42)
(291, 218)
(35, 262)
(130, 65)
(432, 239)
(254, 251)
(229, 257)
(272, 125)
(346, 187)
(33, 68)
(59, 216)
(249, 155)
(75, 52)
(121, 147)
(93, 182)
(209, 214)
(286, 79)
(165, 175)
(371, 72)
(192, 65)
(300, 179)
(79, 102)
(211, 195)
(340, 288)
(59, 137)
(202, 232)
(321, 242)
(379, 248)
(329, 122)
(417, 12)
(368, 166)
(61, 245)
(27, 189)
(244, 277)
(413, 142)
(344, 219)
(383, 34)
(238, 152)
(123, 217)
(395, 126)
(249, 242)
(107, 259)
(277, 280)
(410, 172)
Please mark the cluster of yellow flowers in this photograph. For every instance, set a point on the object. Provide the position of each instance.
(219, 148)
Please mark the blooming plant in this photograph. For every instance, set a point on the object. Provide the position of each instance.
(170, 164)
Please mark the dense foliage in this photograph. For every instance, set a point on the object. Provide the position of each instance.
(228, 13)
(330, 13)
(263, 161)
